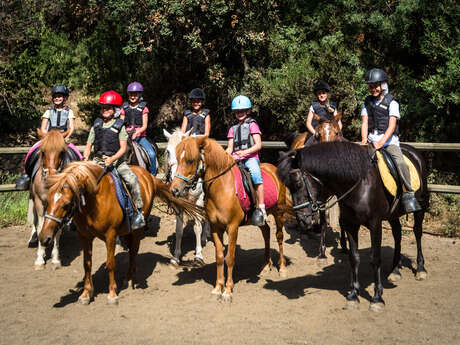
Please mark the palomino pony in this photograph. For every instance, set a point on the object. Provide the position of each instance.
(51, 159)
(96, 213)
(195, 195)
(204, 157)
(346, 170)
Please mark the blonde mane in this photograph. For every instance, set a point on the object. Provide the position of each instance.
(78, 176)
(53, 141)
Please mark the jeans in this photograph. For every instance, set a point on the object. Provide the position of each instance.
(150, 151)
(253, 165)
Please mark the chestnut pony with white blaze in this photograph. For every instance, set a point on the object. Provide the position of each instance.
(205, 158)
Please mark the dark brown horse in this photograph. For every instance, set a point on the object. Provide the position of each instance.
(346, 170)
(96, 213)
(221, 203)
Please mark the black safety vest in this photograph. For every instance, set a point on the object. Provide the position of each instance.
(322, 112)
(242, 138)
(106, 140)
(196, 121)
(379, 115)
(133, 116)
(58, 118)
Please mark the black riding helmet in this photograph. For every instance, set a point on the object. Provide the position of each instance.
(197, 93)
(321, 85)
(59, 89)
(375, 75)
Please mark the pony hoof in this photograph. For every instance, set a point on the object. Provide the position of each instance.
(422, 275)
(226, 297)
(216, 292)
(83, 300)
(112, 301)
(33, 244)
(283, 272)
(39, 267)
(394, 277)
(56, 266)
(174, 264)
(198, 262)
(377, 307)
(352, 305)
(265, 270)
(321, 262)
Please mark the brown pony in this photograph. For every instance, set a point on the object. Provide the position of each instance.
(52, 150)
(204, 157)
(327, 131)
(96, 213)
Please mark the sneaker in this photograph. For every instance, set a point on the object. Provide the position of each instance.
(138, 220)
(23, 182)
(410, 203)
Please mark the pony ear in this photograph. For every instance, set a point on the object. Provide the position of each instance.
(316, 117)
(187, 134)
(40, 133)
(166, 133)
(201, 141)
(338, 116)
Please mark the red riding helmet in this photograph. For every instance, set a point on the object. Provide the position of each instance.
(110, 97)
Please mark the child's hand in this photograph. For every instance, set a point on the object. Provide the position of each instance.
(241, 153)
(108, 161)
(378, 145)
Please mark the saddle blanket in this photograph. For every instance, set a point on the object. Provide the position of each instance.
(270, 190)
(388, 180)
(123, 200)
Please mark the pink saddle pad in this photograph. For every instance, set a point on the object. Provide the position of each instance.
(270, 190)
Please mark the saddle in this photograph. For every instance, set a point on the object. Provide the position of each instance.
(246, 192)
(124, 200)
(142, 157)
(390, 176)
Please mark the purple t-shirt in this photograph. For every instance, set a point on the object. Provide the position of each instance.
(253, 129)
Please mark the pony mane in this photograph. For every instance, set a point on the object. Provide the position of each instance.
(77, 175)
(285, 164)
(53, 141)
(335, 161)
(176, 137)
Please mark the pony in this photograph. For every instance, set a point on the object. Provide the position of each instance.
(205, 158)
(96, 213)
(50, 161)
(195, 195)
(347, 170)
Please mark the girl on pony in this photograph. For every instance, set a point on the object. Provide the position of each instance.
(58, 116)
(323, 108)
(380, 116)
(244, 143)
(136, 116)
(197, 118)
(109, 137)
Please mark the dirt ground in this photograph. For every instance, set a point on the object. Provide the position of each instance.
(175, 306)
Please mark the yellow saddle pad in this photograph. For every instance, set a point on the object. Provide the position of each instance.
(388, 180)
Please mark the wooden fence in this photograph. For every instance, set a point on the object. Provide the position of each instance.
(280, 145)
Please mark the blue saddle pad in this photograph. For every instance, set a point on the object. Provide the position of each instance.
(125, 203)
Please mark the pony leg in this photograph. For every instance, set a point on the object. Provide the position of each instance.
(55, 253)
(322, 243)
(232, 231)
(279, 220)
(217, 236)
(352, 234)
(198, 229)
(40, 260)
(395, 275)
(179, 233)
(418, 222)
(267, 259)
(112, 298)
(31, 220)
(133, 243)
(377, 303)
(87, 246)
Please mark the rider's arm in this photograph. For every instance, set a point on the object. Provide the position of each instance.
(71, 128)
(257, 144)
(388, 133)
(309, 120)
(89, 144)
(364, 129)
(229, 148)
(119, 154)
(145, 121)
(184, 124)
(207, 125)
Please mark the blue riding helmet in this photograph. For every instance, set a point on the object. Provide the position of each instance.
(241, 102)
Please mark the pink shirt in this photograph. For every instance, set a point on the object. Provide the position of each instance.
(253, 129)
(145, 111)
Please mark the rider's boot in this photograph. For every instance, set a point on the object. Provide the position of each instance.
(258, 217)
(410, 203)
(23, 182)
(138, 220)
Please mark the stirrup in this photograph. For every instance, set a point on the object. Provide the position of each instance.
(258, 217)
(23, 182)
(138, 220)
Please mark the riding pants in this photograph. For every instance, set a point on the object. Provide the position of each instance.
(150, 151)
(253, 165)
(403, 169)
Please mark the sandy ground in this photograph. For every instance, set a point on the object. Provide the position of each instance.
(175, 306)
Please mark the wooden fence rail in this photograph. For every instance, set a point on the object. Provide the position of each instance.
(435, 188)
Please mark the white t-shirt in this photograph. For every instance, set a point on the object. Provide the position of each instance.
(375, 136)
